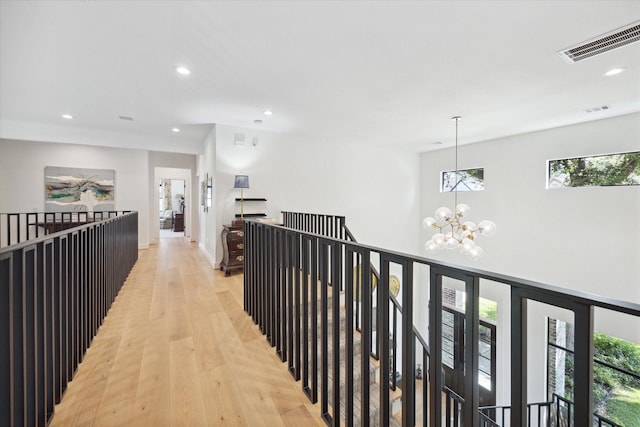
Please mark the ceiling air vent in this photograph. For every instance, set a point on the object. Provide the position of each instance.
(596, 109)
(604, 43)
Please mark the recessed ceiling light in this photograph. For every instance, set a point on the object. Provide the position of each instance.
(615, 71)
(67, 116)
(267, 112)
(182, 70)
(176, 130)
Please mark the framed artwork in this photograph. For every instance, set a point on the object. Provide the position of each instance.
(78, 190)
(203, 193)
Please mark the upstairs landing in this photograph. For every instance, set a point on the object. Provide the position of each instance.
(177, 349)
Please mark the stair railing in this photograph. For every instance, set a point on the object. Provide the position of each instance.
(563, 408)
(285, 271)
(19, 227)
(333, 226)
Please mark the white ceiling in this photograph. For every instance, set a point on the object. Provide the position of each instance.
(386, 73)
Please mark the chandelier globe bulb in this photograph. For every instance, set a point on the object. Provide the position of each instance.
(487, 228)
(462, 209)
(429, 222)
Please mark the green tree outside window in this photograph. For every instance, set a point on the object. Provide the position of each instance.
(605, 170)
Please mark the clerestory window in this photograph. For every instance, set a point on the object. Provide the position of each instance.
(595, 171)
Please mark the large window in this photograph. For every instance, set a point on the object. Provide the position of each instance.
(463, 180)
(605, 170)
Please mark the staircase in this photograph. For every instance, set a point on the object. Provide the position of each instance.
(319, 252)
(374, 374)
(285, 297)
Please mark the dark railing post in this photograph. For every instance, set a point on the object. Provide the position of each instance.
(314, 319)
(290, 298)
(436, 383)
(297, 271)
(583, 365)
(349, 341)
(305, 248)
(324, 324)
(472, 335)
(336, 285)
(383, 339)
(268, 280)
(282, 285)
(408, 347)
(365, 289)
(518, 358)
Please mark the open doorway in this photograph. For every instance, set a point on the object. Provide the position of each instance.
(166, 202)
(171, 194)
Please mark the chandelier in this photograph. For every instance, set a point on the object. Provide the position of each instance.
(453, 230)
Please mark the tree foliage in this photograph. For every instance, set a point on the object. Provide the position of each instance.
(619, 353)
(614, 169)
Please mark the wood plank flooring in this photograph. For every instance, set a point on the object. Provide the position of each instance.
(177, 349)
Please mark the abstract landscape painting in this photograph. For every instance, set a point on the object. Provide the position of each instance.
(76, 189)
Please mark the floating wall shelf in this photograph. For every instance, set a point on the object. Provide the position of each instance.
(253, 206)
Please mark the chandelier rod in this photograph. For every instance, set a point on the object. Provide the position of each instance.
(455, 196)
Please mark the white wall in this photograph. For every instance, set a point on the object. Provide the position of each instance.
(22, 166)
(578, 238)
(207, 169)
(376, 189)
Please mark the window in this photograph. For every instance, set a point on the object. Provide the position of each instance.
(454, 302)
(463, 180)
(605, 170)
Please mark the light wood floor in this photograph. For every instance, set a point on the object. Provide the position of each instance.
(177, 349)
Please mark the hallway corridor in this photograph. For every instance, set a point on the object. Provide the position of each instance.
(177, 349)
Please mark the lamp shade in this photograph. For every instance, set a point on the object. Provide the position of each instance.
(241, 181)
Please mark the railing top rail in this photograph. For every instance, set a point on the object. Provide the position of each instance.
(580, 297)
(349, 234)
(313, 214)
(102, 220)
(67, 214)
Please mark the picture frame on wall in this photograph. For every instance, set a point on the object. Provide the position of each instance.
(78, 189)
(203, 193)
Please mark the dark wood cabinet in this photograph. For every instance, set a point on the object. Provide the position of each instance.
(178, 222)
(233, 249)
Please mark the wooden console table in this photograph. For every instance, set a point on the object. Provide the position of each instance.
(233, 249)
(54, 227)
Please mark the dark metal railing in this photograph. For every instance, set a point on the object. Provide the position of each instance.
(563, 409)
(289, 273)
(539, 414)
(324, 225)
(55, 291)
(557, 413)
(335, 226)
(19, 227)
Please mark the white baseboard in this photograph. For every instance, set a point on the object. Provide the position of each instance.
(208, 256)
